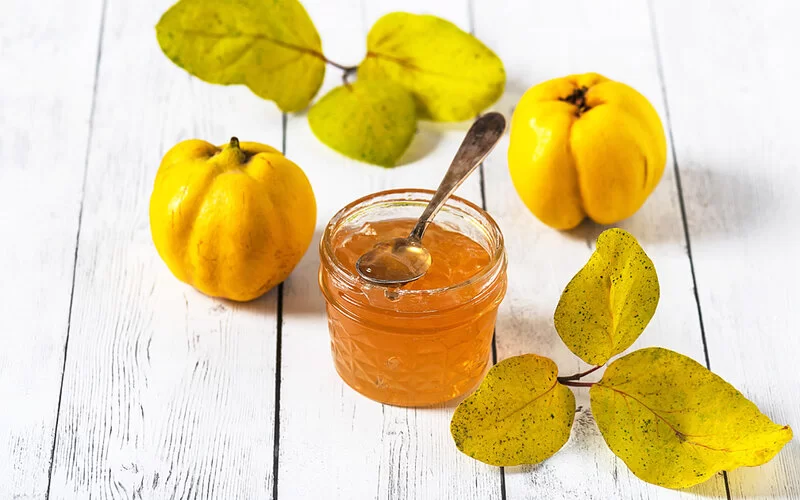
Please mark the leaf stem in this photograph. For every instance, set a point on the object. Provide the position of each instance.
(579, 375)
(571, 383)
(348, 70)
(347, 73)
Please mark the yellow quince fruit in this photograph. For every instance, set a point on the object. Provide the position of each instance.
(232, 221)
(584, 145)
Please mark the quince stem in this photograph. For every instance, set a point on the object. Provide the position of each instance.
(231, 154)
(578, 99)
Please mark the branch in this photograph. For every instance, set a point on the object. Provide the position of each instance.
(579, 375)
(576, 384)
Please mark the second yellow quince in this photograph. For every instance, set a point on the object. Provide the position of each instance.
(232, 221)
(584, 145)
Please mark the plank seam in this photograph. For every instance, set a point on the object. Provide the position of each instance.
(89, 136)
(276, 440)
(277, 423)
(681, 202)
(482, 183)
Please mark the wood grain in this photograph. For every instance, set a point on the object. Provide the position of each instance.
(170, 394)
(44, 128)
(735, 137)
(167, 393)
(334, 442)
(557, 39)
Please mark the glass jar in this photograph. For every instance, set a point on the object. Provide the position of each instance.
(412, 347)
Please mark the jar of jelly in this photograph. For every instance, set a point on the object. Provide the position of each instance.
(430, 340)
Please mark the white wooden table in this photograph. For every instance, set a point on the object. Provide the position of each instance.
(118, 381)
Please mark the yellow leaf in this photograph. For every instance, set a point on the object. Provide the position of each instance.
(607, 305)
(272, 47)
(451, 73)
(675, 424)
(368, 121)
(520, 414)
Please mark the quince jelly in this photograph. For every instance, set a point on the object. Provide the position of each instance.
(430, 340)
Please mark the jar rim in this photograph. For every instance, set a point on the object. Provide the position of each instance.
(497, 249)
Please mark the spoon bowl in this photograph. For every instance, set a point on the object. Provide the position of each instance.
(399, 261)
(394, 262)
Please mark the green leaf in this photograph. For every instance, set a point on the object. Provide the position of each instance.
(272, 47)
(368, 121)
(520, 414)
(607, 305)
(675, 424)
(452, 75)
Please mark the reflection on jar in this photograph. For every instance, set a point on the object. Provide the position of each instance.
(430, 340)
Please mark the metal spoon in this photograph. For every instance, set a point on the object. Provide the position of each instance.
(402, 260)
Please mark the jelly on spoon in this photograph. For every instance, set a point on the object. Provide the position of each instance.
(402, 260)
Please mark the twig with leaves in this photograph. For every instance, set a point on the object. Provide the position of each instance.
(672, 421)
(416, 67)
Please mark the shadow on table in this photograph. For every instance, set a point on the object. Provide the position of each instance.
(427, 139)
(508, 101)
(301, 293)
(429, 134)
(524, 327)
(761, 481)
(718, 205)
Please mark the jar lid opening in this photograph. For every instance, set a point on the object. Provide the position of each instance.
(467, 215)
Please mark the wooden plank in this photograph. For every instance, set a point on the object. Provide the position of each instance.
(48, 70)
(167, 393)
(735, 140)
(334, 442)
(553, 39)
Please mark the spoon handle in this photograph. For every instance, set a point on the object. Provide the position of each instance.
(479, 142)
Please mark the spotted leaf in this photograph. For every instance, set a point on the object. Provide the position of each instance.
(520, 414)
(607, 305)
(272, 47)
(369, 121)
(675, 423)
